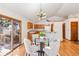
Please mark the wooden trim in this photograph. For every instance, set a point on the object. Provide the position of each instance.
(20, 36)
(10, 18)
(52, 25)
(63, 30)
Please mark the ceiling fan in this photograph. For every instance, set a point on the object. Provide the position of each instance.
(41, 14)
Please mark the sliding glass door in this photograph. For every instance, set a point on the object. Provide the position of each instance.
(16, 34)
(10, 35)
(5, 36)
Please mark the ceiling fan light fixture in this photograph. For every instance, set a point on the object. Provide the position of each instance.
(41, 14)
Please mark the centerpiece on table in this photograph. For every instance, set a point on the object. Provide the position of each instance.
(44, 39)
(42, 35)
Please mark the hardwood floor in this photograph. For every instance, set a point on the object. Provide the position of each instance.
(69, 48)
(20, 51)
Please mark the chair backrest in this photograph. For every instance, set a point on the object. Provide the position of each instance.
(54, 44)
(27, 45)
(50, 36)
(54, 48)
(34, 36)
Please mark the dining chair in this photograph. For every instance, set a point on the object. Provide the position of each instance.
(50, 36)
(53, 49)
(29, 50)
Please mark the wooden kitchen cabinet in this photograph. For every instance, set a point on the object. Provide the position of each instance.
(36, 26)
(30, 36)
(39, 26)
(29, 25)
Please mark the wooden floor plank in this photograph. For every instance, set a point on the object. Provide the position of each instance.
(69, 48)
(20, 51)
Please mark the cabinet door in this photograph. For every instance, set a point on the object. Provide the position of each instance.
(38, 26)
(29, 25)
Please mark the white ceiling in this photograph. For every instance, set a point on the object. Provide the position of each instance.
(30, 10)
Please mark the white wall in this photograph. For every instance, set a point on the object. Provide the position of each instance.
(7, 12)
(68, 27)
(67, 30)
(24, 29)
(58, 30)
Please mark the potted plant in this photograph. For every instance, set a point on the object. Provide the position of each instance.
(42, 34)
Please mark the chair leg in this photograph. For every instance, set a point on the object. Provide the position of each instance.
(43, 54)
(38, 53)
(27, 54)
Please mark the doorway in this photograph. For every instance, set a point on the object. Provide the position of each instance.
(74, 31)
(63, 31)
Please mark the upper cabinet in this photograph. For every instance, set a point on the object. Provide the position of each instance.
(39, 26)
(29, 25)
(48, 28)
